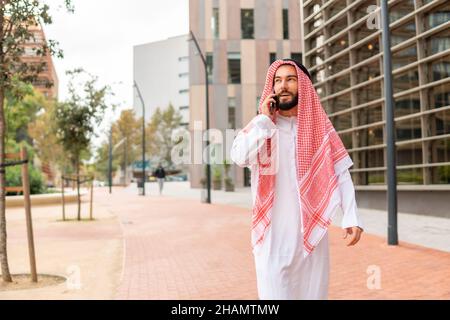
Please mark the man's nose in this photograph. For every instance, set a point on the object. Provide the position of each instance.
(283, 85)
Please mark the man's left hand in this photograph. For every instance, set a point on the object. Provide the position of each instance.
(354, 234)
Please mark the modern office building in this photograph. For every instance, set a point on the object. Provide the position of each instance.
(344, 53)
(239, 38)
(161, 71)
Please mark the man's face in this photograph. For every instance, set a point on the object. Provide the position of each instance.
(286, 86)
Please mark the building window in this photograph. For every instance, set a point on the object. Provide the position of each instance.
(183, 91)
(184, 107)
(183, 75)
(183, 58)
(209, 65)
(285, 24)
(297, 56)
(215, 23)
(272, 57)
(234, 68)
(247, 24)
(231, 113)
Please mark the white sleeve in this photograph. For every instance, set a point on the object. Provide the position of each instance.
(249, 140)
(348, 204)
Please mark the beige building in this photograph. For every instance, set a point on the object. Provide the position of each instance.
(343, 52)
(240, 39)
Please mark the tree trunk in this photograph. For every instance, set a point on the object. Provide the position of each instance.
(78, 189)
(6, 276)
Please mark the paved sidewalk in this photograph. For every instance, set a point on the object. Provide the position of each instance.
(183, 249)
(427, 231)
(88, 253)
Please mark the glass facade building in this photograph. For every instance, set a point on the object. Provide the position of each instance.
(343, 51)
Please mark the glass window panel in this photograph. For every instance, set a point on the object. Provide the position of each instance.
(403, 33)
(439, 96)
(312, 7)
(437, 16)
(338, 65)
(339, 84)
(408, 129)
(338, 45)
(315, 58)
(409, 154)
(440, 150)
(285, 24)
(401, 9)
(440, 122)
(362, 10)
(407, 105)
(346, 139)
(337, 26)
(369, 92)
(410, 176)
(369, 115)
(438, 42)
(405, 80)
(234, 68)
(247, 24)
(371, 158)
(370, 136)
(439, 68)
(404, 57)
(342, 102)
(367, 50)
(342, 122)
(440, 175)
(368, 72)
(215, 23)
(210, 65)
(337, 7)
(375, 177)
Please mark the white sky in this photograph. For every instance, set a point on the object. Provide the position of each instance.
(99, 37)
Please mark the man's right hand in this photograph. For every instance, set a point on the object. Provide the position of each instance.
(265, 108)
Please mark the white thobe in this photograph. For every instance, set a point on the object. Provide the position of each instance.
(282, 271)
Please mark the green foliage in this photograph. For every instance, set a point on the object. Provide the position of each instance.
(444, 174)
(159, 134)
(77, 119)
(216, 173)
(14, 179)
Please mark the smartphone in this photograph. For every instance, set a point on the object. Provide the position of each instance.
(274, 106)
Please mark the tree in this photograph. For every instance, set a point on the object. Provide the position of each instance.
(17, 18)
(77, 119)
(159, 131)
(127, 127)
(101, 161)
(42, 131)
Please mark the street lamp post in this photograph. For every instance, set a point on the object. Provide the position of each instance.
(143, 137)
(390, 127)
(110, 161)
(208, 166)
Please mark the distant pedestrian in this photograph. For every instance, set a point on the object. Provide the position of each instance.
(160, 175)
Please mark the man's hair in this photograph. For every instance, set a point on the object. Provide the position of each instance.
(302, 67)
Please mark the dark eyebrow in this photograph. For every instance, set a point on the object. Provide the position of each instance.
(289, 76)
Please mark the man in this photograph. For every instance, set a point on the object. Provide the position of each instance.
(299, 178)
(160, 175)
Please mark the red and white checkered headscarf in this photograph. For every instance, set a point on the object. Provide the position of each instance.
(321, 157)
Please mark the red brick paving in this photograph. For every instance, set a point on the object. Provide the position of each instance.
(183, 249)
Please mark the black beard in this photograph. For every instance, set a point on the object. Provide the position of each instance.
(285, 106)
